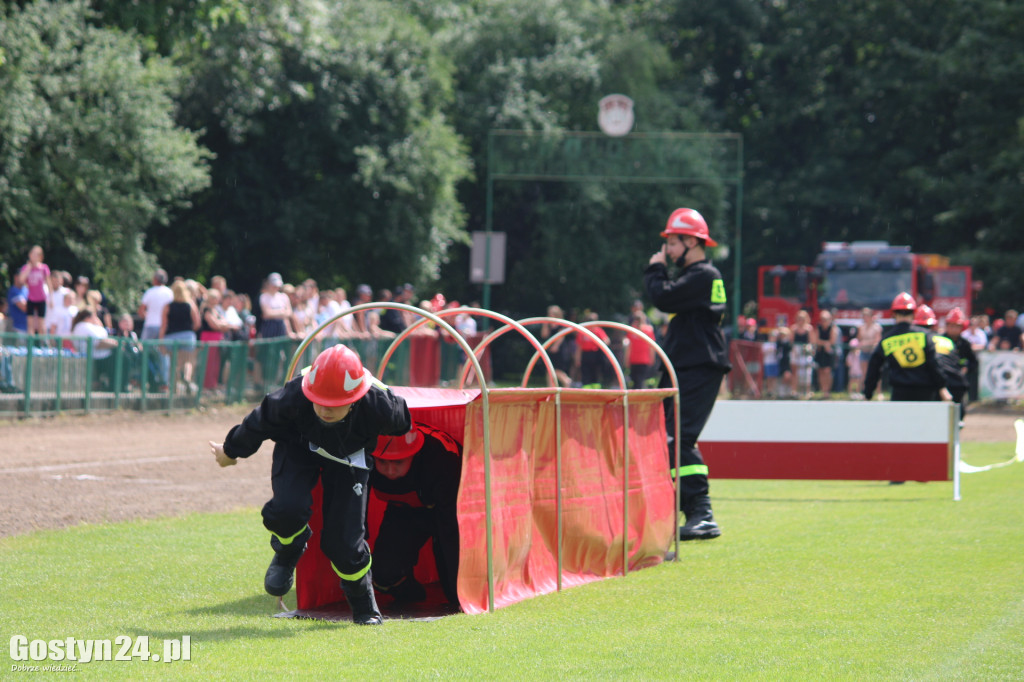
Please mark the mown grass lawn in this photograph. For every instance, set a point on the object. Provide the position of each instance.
(811, 580)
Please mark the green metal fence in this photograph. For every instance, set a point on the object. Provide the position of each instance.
(49, 375)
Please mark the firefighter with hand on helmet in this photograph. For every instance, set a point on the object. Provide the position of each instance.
(947, 354)
(956, 322)
(908, 353)
(417, 477)
(693, 295)
(324, 425)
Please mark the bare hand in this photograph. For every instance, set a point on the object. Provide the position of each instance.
(658, 257)
(222, 459)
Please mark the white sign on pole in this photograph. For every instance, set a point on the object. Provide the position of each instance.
(487, 258)
(615, 115)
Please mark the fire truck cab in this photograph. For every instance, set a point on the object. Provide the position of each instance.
(849, 276)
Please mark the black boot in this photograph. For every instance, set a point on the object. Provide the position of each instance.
(359, 594)
(281, 572)
(700, 522)
(408, 590)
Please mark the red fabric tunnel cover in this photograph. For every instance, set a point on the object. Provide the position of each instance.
(524, 492)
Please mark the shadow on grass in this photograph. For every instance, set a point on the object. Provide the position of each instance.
(206, 635)
(874, 500)
(254, 605)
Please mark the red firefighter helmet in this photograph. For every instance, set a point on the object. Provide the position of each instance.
(903, 303)
(925, 316)
(336, 378)
(688, 221)
(399, 447)
(956, 316)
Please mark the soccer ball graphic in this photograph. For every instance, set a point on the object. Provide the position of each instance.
(1004, 377)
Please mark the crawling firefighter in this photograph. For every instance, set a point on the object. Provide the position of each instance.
(417, 476)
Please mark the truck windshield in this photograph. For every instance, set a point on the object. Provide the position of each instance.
(853, 289)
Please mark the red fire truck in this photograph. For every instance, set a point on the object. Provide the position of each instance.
(849, 276)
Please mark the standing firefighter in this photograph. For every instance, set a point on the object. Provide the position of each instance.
(324, 425)
(967, 360)
(908, 353)
(695, 300)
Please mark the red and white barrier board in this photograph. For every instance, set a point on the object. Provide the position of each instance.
(884, 441)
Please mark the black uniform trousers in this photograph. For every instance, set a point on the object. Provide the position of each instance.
(698, 390)
(295, 472)
(403, 533)
(915, 393)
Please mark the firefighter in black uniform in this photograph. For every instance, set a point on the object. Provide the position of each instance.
(323, 425)
(909, 355)
(694, 298)
(946, 354)
(968, 360)
(417, 476)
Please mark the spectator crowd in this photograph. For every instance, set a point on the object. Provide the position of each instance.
(804, 360)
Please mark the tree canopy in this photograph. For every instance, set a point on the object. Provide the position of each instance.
(90, 155)
(348, 141)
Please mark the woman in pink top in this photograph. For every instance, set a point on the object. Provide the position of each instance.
(37, 276)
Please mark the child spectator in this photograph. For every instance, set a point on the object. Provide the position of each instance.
(784, 351)
(17, 305)
(855, 367)
(63, 316)
(87, 324)
(770, 358)
(58, 293)
(37, 278)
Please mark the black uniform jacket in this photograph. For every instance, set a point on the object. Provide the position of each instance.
(968, 358)
(286, 416)
(908, 353)
(948, 357)
(696, 301)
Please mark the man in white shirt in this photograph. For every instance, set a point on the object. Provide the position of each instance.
(151, 310)
(975, 335)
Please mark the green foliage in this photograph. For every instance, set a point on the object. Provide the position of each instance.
(89, 154)
(870, 120)
(348, 141)
(334, 155)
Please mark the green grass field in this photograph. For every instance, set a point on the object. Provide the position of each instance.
(811, 580)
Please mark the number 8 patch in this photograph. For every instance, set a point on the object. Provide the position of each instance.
(907, 349)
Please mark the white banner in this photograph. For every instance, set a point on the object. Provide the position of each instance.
(1018, 455)
(1001, 375)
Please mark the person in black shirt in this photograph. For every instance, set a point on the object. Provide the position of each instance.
(1008, 336)
(908, 353)
(694, 297)
(956, 321)
(322, 425)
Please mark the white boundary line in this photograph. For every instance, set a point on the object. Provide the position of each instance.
(103, 462)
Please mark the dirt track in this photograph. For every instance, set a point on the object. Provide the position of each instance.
(66, 470)
(62, 471)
